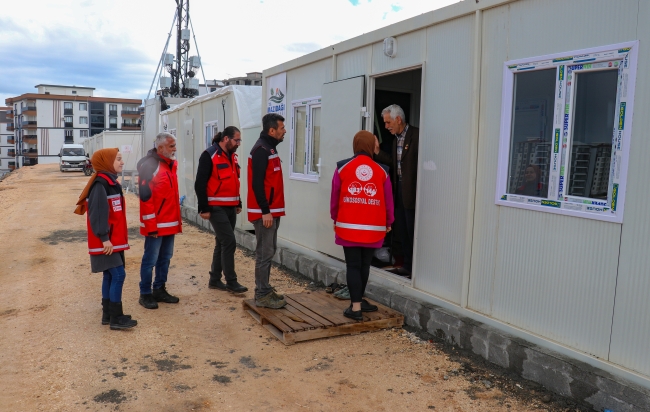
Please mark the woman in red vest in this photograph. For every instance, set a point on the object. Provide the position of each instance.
(361, 206)
(107, 233)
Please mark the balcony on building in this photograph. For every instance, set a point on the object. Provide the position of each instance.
(29, 110)
(10, 114)
(67, 124)
(11, 140)
(11, 152)
(10, 127)
(112, 112)
(12, 165)
(130, 126)
(30, 153)
(29, 124)
(130, 112)
(29, 139)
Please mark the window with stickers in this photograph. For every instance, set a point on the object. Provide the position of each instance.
(211, 129)
(305, 139)
(565, 132)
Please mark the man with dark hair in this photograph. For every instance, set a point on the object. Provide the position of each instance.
(265, 205)
(217, 195)
(160, 218)
(404, 171)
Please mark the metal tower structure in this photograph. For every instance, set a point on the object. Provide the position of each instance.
(181, 67)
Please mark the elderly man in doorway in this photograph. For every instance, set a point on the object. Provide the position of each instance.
(160, 218)
(404, 175)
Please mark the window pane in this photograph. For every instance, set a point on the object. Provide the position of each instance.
(315, 139)
(591, 145)
(300, 127)
(531, 133)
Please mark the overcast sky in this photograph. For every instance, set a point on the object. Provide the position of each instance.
(115, 45)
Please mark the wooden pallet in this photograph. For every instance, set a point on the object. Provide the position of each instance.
(314, 315)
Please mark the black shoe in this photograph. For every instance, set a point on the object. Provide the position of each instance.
(161, 295)
(148, 301)
(367, 307)
(106, 313)
(217, 284)
(235, 287)
(118, 320)
(349, 313)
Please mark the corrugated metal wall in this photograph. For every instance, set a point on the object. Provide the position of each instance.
(445, 140)
(551, 275)
(631, 330)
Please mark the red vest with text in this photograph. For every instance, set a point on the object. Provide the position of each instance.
(273, 184)
(162, 212)
(223, 185)
(362, 212)
(118, 234)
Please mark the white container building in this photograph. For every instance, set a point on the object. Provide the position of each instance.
(129, 143)
(495, 86)
(196, 121)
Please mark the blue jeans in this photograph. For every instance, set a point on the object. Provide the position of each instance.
(112, 284)
(158, 251)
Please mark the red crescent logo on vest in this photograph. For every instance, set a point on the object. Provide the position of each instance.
(364, 173)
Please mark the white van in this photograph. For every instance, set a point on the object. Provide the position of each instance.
(72, 157)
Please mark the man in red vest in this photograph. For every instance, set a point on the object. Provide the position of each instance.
(217, 194)
(160, 218)
(265, 205)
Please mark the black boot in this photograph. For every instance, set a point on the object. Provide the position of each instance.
(216, 283)
(234, 287)
(148, 301)
(106, 312)
(118, 320)
(161, 295)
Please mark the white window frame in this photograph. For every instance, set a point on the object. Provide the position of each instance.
(83, 132)
(211, 128)
(83, 107)
(557, 201)
(83, 119)
(309, 104)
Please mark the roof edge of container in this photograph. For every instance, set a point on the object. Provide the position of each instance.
(451, 12)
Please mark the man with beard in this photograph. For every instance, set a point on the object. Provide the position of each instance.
(265, 204)
(217, 194)
(160, 218)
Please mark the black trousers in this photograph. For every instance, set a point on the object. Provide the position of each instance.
(357, 264)
(223, 220)
(405, 219)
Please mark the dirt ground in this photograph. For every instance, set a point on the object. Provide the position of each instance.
(205, 353)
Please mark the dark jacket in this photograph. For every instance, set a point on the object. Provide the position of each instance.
(409, 166)
(203, 174)
(260, 160)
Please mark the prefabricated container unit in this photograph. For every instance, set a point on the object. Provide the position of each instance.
(196, 121)
(494, 86)
(129, 143)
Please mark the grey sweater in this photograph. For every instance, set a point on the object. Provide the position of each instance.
(98, 217)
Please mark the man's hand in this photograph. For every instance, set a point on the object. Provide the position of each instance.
(108, 248)
(376, 145)
(388, 229)
(238, 210)
(205, 215)
(267, 220)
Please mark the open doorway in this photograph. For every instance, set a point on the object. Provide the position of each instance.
(403, 89)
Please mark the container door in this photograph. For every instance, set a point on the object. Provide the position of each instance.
(341, 120)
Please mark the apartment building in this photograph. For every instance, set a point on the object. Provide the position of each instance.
(43, 121)
(7, 145)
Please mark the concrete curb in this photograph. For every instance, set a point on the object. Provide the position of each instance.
(557, 373)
